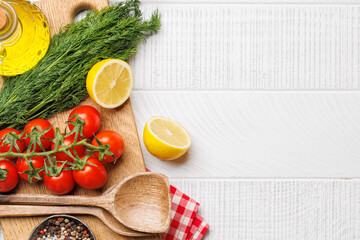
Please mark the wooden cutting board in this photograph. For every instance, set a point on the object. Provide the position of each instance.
(60, 13)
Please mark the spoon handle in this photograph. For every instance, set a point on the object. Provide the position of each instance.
(51, 200)
(29, 210)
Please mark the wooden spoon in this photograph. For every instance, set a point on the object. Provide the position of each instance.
(103, 215)
(140, 202)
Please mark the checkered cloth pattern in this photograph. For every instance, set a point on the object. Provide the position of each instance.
(185, 224)
(198, 228)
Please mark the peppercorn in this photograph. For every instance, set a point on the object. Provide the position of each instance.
(63, 228)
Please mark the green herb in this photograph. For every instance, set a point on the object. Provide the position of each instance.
(58, 81)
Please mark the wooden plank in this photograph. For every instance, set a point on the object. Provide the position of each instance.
(197, 34)
(120, 120)
(259, 134)
(277, 209)
(210, 45)
(264, 44)
(272, 209)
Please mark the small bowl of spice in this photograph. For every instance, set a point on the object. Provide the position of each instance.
(62, 227)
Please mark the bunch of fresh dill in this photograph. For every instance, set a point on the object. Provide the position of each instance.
(58, 81)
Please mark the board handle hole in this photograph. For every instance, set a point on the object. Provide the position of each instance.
(80, 11)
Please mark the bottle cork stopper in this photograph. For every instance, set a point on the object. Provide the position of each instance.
(3, 20)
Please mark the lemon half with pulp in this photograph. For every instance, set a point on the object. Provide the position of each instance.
(109, 82)
(165, 138)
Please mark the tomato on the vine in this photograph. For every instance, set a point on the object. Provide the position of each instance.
(61, 156)
(42, 124)
(114, 140)
(91, 177)
(8, 176)
(6, 147)
(22, 166)
(61, 184)
(92, 119)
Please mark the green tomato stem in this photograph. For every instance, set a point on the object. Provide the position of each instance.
(3, 173)
(49, 153)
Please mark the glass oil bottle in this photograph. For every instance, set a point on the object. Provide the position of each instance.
(24, 36)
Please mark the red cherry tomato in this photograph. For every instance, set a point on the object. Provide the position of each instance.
(42, 125)
(61, 156)
(61, 184)
(6, 148)
(8, 178)
(91, 177)
(91, 116)
(114, 140)
(21, 165)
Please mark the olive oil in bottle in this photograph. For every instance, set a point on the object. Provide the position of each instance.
(24, 36)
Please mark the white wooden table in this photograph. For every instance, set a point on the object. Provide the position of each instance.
(269, 92)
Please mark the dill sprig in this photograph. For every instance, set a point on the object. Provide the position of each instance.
(58, 81)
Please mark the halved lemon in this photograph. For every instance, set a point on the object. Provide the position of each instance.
(165, 138)
(109, 82)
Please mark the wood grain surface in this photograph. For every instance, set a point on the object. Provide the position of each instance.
(238, 44)
(140, 201)
(280, 47)
(120, 120)
(277, 209)
(265, 89)
(258, 134)
(239, 75)
(40, 210)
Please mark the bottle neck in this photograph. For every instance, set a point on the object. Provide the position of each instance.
(10, 29)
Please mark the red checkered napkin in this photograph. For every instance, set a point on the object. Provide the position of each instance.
(185, 224)
(198, 229)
